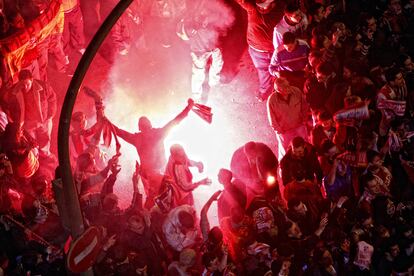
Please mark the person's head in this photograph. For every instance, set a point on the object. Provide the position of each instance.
(395, 77)
(393, 248)
(137, 224)
(293, 230)
(110, 203)
(297, 206)
(326, 121)
(317, 12)
(320, 42)
(265, 6)
(86, 163)
(315, 58)
(298, 147)
(26, 77)
(210, 261)
(13, 131)
(187, 257)
(17, 20)
(293, 13)
(224, 177)
(374, 159)
(329, 149)
(79, 121)
(323, 71)
(186, 221)
(144, 124)
(395, 6)
(39, 184)
(406, 63)
(370, 182)
(178, 153)
(215, 235)
(369, 22)
(350, 69)
(281, 85)
(289, 41)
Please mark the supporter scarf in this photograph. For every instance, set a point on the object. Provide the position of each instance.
(352, 114)
(397, 107)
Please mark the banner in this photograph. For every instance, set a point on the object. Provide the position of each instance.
(20, 49)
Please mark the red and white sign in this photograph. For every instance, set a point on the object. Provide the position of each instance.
(84, 250)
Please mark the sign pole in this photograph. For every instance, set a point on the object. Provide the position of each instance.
(71, 198)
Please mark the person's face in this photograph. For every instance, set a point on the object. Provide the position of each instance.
(372, 24)
(319, 14)
(321, 77)
(298, 152)
(27, 84)
(373, 187)
(399, 80)
(345, 245)
(141, 271)
(281, 85)
(394, 250)
(368, 224)
(347, 74)
(331, 152)
(290, 47)
(313, 61)
(294, 231)
(80, 124)
(295, 17)
(327, 124)
(342, 168)
(301, 209)
(326, 42)
(214, 265)
(408, 65)
(377, 161)
(284, 270)
(92, 167)
(138, 225)
(390, 208)
(395, 6)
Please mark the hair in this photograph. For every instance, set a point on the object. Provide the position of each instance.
(326, 68)
(289, 38)
(317, 40)
(77, 116)
(366, 178)
(402, 58)
(207, 258)
(215, 235)
(84, 160)
(291, 8)
(293, 203)
(313, 9)
(298, 142)
(391, 73)
(326, 145)
(324, 116)
(25, 74)
(186, 219)
(371, 154)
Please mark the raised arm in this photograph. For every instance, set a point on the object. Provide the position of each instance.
(127, 136)
(179, 117)
(204, 223)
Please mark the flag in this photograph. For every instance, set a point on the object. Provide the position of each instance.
(204, 112)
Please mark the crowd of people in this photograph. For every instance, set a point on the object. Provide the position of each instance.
(337, 199)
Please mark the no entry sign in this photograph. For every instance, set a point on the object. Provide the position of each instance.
(84, 250)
